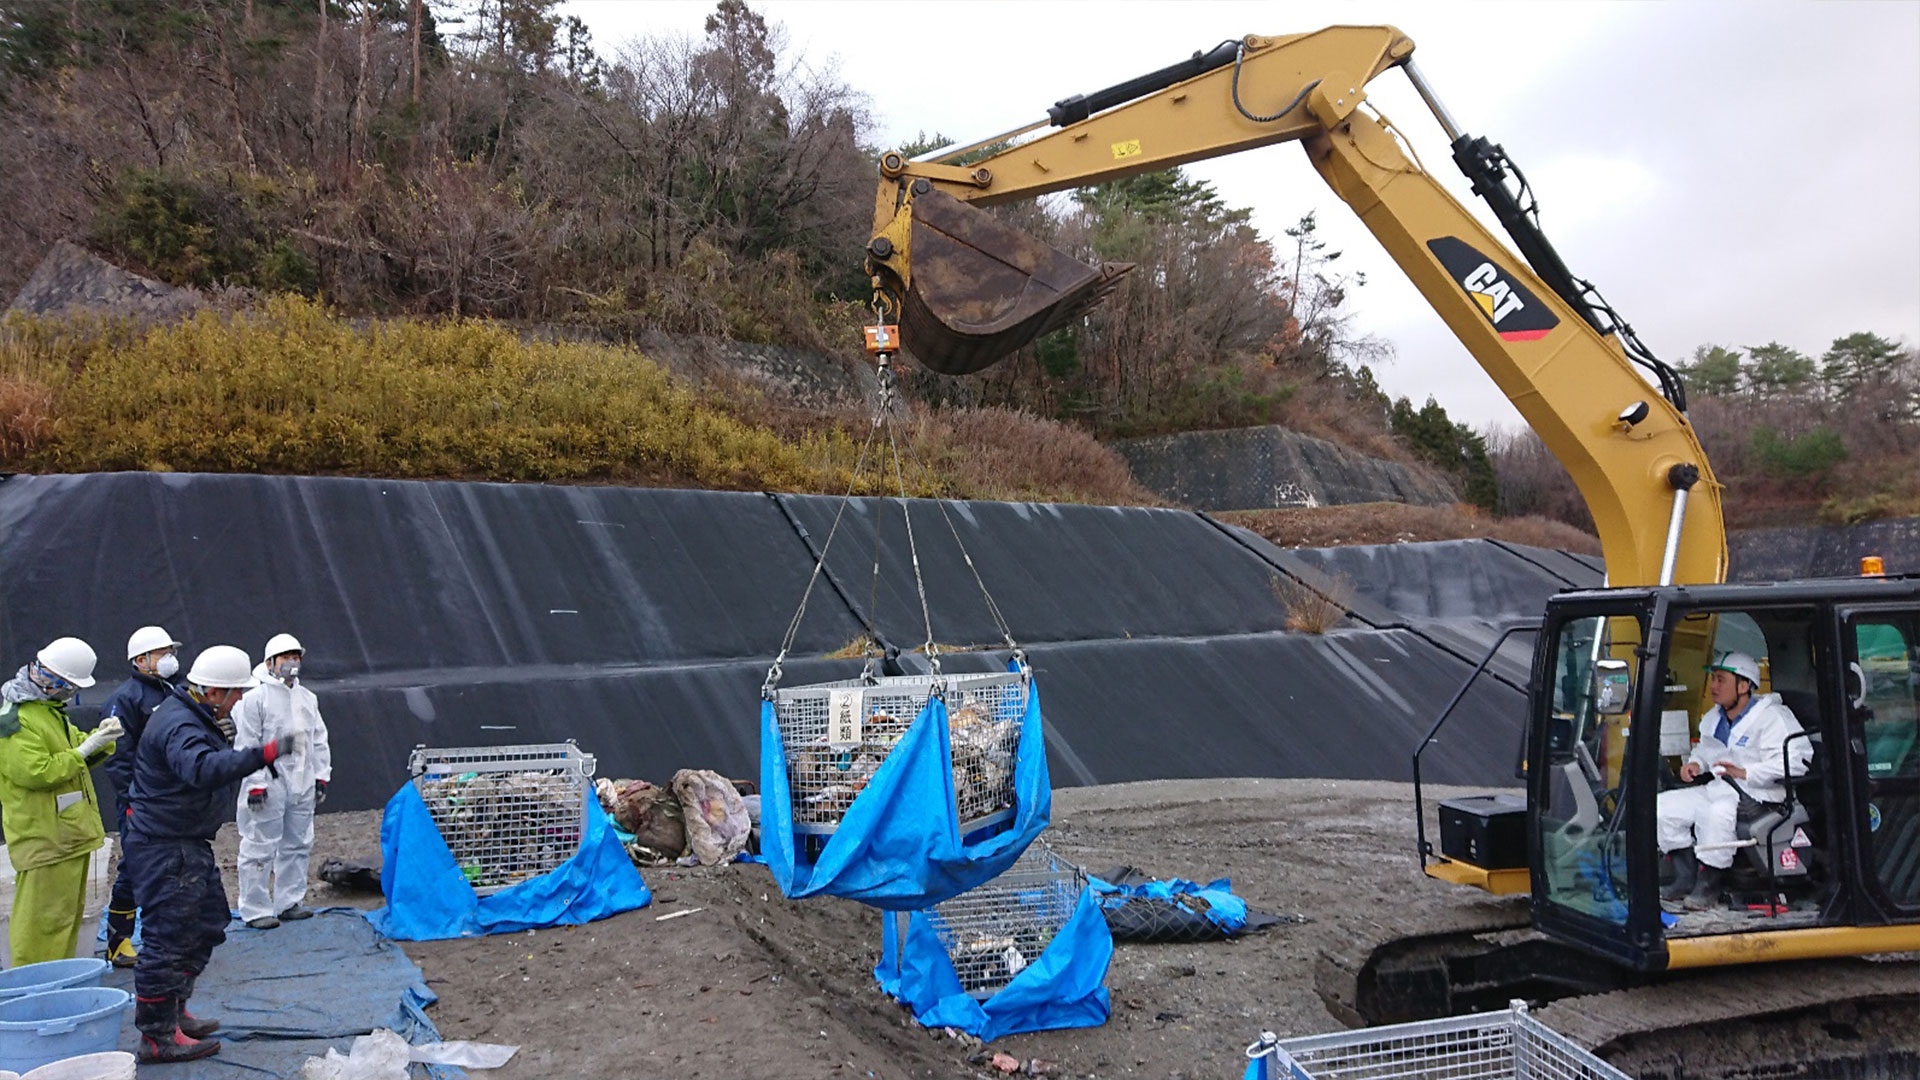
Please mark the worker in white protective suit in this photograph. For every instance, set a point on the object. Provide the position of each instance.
(1740, 741)
(275, 809)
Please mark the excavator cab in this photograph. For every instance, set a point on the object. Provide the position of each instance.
(1826, 862)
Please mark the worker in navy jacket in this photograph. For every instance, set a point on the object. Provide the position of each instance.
(185, 777)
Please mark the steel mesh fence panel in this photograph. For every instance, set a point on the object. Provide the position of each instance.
(835, 735)
(1491, 1046)
(507, 813)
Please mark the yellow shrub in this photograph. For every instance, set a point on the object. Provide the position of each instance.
(292, 388)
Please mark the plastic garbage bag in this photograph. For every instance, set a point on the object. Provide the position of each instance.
(382, 1055)
(716, 816)
(465, 1055)
(652, 814)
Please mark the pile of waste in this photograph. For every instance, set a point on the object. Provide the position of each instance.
(699, 818)
(504, 828)
(984, 732)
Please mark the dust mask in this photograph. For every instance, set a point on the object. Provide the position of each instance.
(167, 666)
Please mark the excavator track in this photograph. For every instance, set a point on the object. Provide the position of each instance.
(1347, 972)
(1848, 1019)
(1857, 1017)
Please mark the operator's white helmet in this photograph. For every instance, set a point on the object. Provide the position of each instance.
(148, 638)
(1740, 664)
(281, 643)
(223, 667)
(70, 658)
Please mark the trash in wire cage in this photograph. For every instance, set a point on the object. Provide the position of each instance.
(1509, 1045)
(507, 813)
(1027, 951)
(836, 736)
(994, 932)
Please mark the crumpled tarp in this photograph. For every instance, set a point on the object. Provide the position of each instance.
(428, 898)
(288, 994)
(1064, 988)
(899, 846)
(1171, 910)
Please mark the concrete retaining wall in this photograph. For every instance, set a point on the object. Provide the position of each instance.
(1264, 468)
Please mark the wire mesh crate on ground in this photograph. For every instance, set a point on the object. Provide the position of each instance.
(835, 735)
(507, 813)
(1507, 1045)
(993, 932)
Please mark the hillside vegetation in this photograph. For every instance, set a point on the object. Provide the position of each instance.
(290, 388)
(490, 158)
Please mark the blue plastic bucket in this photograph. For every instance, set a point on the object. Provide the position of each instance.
(42, 1028)
(51, 975)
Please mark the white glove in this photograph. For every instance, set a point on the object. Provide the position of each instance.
(108, 731)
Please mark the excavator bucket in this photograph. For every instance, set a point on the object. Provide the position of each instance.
(981, 288)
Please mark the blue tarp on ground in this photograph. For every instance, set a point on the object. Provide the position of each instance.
(428, 898)
(1214, 902)
(1064, 988)
(288, 994)
(899, 846)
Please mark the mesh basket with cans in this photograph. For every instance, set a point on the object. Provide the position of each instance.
(507, 813)
(835, 735)
(1509, 1045)
(993, 932)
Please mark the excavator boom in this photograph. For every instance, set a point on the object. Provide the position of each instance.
(970, 289)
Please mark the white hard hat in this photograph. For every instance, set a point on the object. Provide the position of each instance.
(222, 666)
(1740, 664)
(281, 643)
(70, 658)
(148, 638)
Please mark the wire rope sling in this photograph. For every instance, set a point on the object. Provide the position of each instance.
(899, 791)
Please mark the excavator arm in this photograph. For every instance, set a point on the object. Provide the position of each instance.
(970, 289)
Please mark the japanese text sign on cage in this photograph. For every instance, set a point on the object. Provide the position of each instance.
(846, 709)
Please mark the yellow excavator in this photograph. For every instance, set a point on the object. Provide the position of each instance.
(1618, 684)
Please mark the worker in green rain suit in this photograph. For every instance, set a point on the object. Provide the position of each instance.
(47, 805)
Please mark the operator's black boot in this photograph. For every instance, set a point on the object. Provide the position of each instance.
(1706, 890)
(192, 1026)
(1685, 871)
(161, 1040)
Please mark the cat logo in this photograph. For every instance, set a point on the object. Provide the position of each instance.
(1516, 314)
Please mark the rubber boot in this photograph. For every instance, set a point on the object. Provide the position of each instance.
(192, 1026)
(161, 1040)
(1685, 870)
(1706, 891)
(120, 950)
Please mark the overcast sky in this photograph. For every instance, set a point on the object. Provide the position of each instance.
(1731, 173)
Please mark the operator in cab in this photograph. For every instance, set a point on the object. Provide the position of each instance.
(1740, 744)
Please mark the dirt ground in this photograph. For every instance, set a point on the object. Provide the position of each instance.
(747, 984)
(1399, 523)
(750, 984)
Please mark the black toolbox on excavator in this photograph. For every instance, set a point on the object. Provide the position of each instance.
(1487, 831)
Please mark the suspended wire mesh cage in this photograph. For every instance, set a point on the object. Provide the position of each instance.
(1509, 1045)
(994, 932)
(835, 735)
(507, 813)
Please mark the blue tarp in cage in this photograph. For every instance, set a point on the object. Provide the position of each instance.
(899, 844)
(429, 897)
(1063, 988)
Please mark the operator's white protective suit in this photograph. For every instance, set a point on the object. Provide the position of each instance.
(277, 838)
(1703, 817)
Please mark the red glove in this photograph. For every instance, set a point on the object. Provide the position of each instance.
(273, 750)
